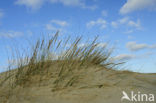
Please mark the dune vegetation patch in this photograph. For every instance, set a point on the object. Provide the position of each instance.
(58, 63)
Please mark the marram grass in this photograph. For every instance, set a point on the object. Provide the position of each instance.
(55, 59)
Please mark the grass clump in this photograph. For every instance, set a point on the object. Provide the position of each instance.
(55, 59)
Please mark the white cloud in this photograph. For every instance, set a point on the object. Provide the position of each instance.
(79, 3)
(128, 32)
(55, 25)
(133, 46)
(104, 13)
(124, 57)
(100, 45)
(36, 4)
(33, 4)
(130, 37)
(134, 5)
(11, 34)
(126, 21)
(135, 24)
(123, 20)
(145, 55)
(69, 2)
(114, 24)
(59, 22)
(99, 22)
(51, 27)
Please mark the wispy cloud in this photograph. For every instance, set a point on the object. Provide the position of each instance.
(33, 4)
(128, 32)
(55, 25)
(136, 24)
(123, 57)
(59, 22)
(126, 57)
(51, 27)
(11, 34)
(126, 21)
(133, 46)
(78, 3)
(104, 13)
(134, 5)
(114, 24)
(37, 4)
(130, 37)
(99, 22)
(100, 45)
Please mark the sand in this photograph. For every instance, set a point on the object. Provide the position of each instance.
(103, 86)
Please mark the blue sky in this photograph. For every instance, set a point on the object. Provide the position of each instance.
(127, 24)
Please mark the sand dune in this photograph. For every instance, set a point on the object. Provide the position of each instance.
(98, 86)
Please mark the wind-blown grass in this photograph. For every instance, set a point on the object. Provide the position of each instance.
(55, 59)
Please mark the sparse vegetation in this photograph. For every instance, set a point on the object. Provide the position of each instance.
(55, 59)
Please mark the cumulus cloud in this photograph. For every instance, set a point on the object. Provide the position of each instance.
(11, 34)
(36, 4)
(133, 46)
(135, 5)
(99, 22)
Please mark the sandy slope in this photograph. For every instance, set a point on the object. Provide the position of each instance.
(104, 86)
